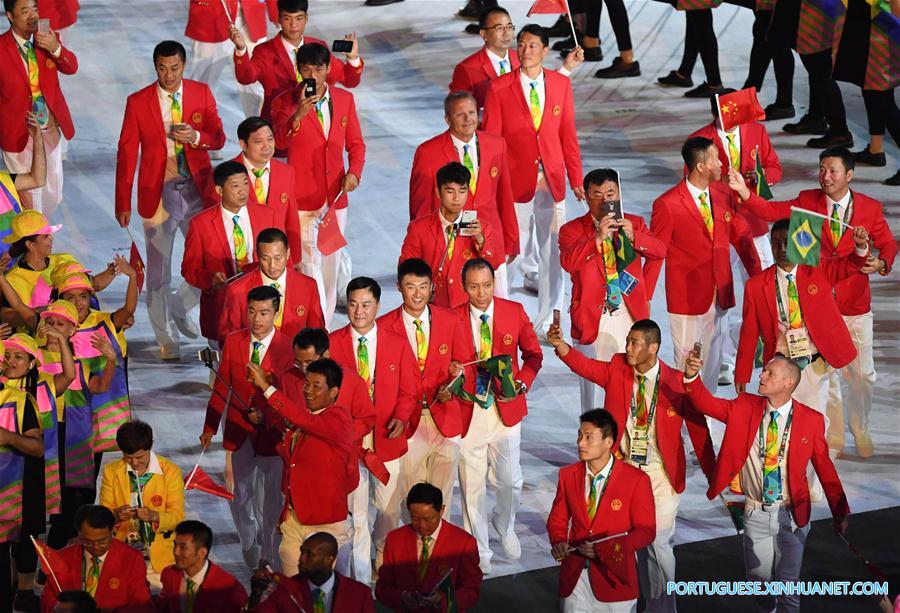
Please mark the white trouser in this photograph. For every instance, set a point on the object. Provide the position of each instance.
(656, 563)
(490, 451)
(44, 199)
(706, 328)
(257, 500)
(773, 551)
(501, 281)
(539, 223)
(860, 377)
(293, 533)
(432, 458)
(325, 269)
(344, 272)
(582, 600)
(208, 60)
(386, 500)
(611, 333)
(731, 339)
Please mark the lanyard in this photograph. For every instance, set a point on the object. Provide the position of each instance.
(784, 438)
(604, 484)
(652, 408)
(848, 212)
(782, 314)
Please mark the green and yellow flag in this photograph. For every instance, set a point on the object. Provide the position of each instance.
(500, 367)
(804, 240)
(762, 186)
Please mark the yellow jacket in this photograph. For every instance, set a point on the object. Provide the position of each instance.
(162, 493)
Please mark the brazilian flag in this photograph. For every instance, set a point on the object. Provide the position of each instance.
(445, 587)
(500, 367)
(804, 241)
(458, 388)
(762, 186)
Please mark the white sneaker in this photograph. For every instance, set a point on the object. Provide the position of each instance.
(169, 352)
(485, 568)
(530, 281)
(510, 543)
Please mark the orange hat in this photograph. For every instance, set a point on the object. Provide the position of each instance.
(65, 269)
(29, 223)
(26, 343)
(74, 282)
(62, 309)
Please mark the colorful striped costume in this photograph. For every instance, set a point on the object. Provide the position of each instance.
(10, 206)
(12, 465)
(34, 286)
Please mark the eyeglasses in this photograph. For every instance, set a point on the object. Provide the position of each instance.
(501, 28)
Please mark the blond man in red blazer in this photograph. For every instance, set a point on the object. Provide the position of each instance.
(533, 109)
(836, 200)
(171, 124)
(23, 52)
(770, 440)
(601, 516)
(316, 131)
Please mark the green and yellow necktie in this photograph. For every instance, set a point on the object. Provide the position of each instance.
(451, 240)
(535, 104)
(190, 593)
(92, 576)
(592, 502)
(640, 417)
(706, 213)
(423, 559)
(467, 162)
(362, 364)
(836, 226)
(613, 289)
(279, 316)
(318, 595)
(795, 317)
(421, 345)
(487, 349)
(319, 113)
(771, 469)
(734, 154)
(503, 69)
(258, 185)
(240, 243)
(180, 157)
(255, 357)
(38, 104)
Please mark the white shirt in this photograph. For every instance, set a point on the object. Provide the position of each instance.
(649, 389)
(266, 341)
(291, 50)
(496, 59)
(152, 468)
(781, 284)
(752, 472)
(695, 194)
(475, 319)
(723, 137)
(842, 205)
(325, 107)
(460, 147)
(589, 477)
(281, 281)
(431, 543)
(410, 326)
(252, 177)
(244, 223)
(198, 581)
(446, 224)
(526, 82)
(327, 588)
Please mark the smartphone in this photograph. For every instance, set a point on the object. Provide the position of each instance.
(309, 87)
(556, 315)
(44, 26)
(614, 207)
(698, 347)
(342, 46)
(208, 356)
(465, 222)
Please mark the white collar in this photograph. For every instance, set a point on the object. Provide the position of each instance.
(290, 45)
(153, 467)
(434, 535)
(281, 281)
(326, 587)
(477, 313)
(249, 165)
(603, 471)
(88, 557)
(497, 59)
(650, 375)
(164, 94)
(19, 40)
(783, 410)
(242, 213)
(843, 202)
(782, 273)
(527, 81)
(458, 143)
(265, 340)
(408, 320)
(371, 334)
(200, 576)
(694, 190)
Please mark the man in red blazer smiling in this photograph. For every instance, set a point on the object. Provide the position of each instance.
(29, 82)
(316, 131)
(770, 441)
(602, 515)
(172, 124)
(533, 110)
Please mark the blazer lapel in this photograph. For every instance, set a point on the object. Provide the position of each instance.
(154, 111)
(770, 286)
(282, 56)
(693, 212)
(12, 49)
(578, 489)
(487, 65)
(597, 521)
(450, 154)
(523, 98)
(219, 230)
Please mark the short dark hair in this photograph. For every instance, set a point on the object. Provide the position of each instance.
(226, 170)
(840, 152)
(134, 436)
(317, 338)
(9, 5)
(325, 539)
(313, 54)
(535, 29)
(458, 95)
(293, 6)
(425, 493)
(476, 264)
(200, 532)
(96, 516)
(416, 267)
(263, 293)
(693, 151)
(599, 176)
(251, 125)
(364, 283)
(81, 601)
(332, 372)
(781, 224)
(168, 48)
(483, 17)
(714, 105)
(453, 172)
(603, 420)
(271, 235)
(650, 330)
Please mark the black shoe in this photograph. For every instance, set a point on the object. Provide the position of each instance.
(567, 44)
(471, 10)
(473, 28)
(868, 158)
(559, 29)
(380, 2)
(894, 180)
(780, 112)
(807, 125)
(27, 602)
(674, 79)
(831, 139)
(619, 69)
(704, 90)
(593, 54)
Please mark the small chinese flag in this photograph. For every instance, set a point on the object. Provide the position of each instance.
(375, 466)
(549, 7)
(203, 482)
(615, 556)
(51, 562)
(330, 238)
(739, 107)
(137, 263)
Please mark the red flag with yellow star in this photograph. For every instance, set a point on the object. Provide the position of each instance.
(739, 107)
(137, 262)
(616, 557)
(548, 7)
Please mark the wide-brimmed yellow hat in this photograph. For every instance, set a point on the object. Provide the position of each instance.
(29, 223)
(26, 343)
(74, 282)
(62, 309)
(65, 269)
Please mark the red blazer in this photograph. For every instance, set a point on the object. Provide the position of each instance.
(142, 129)
(447, 341)
(317, 455)
(15, 92)
(512, 333)
(219, 591)
(62, 13)
(123, 580)
(281, 199)
(554, 146)
(580, 258)
(208, 23)
(617, 378)
(318, 161)
(742, 417)
(493, 197)
(752, 135)
(821, 315)
(853, 294)
(350, 596)
(270, 64)
(475, 73)
(302, 308)
(698, 267)
(395, 384)
(626, 506)
(425, 239)
(233, 372)
(454, 550)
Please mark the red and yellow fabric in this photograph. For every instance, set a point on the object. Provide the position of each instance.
(35, 286)
(821, 25)
(883, 63)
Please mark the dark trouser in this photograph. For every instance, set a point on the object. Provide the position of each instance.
(6, 578)
(62, 526)
(824, 94)
(882, 112)
(618, 17)
(700, 39)
(764, 51)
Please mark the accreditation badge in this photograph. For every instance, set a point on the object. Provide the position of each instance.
(627, 282)
(798, 344)
(640, 443)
